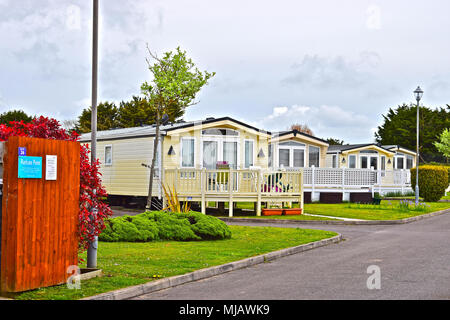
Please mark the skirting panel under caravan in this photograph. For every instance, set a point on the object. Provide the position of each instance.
(330, 197)
(361, 197)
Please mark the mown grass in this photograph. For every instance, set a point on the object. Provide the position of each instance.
(387, 210)
(126, 264)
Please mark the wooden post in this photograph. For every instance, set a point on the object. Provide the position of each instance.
(203, 187)
(373, 185)
(343, 183)
(402, 181)
(302, 192)
(258, 204)
(230, 190)
(312, 181)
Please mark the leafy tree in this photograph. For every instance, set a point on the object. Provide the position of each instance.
(135, 113)
(14, 115)
(107, 114)
(175, 85)
(444, 145)
(333, 141)
(302, 128)
(91, 190)
(399, 128)
(139, 111)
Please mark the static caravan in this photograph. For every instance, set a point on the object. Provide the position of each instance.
(403, 158)
(367, 156)
(295, 150)
(360, 156)
(124, 154)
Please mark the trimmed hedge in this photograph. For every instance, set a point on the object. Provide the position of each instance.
(149, 226)
(445, 165)
(433, 180)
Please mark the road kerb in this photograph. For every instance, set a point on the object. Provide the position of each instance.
(335, 222)
(134, 291)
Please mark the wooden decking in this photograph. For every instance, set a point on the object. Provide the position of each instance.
(201, 185)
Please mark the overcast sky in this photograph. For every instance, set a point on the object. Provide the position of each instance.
(335, 65)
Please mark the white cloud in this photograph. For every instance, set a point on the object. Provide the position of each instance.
(333, 72)
(325, 121)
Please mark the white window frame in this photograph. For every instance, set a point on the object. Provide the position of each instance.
(291, 155)
(378, 162)
(108, 146)
(356, 161)
(220, 140)
(395, 161)
(309, 146)
(335, 161)
(181, 152)
(406, 161)
(367, 161)
(253, 152)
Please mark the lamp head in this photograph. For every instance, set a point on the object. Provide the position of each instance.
(418, 93)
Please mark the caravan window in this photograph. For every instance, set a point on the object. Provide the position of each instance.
(299, 158)
(248, 153)
(409, 162)
(230, 153)
(352, 161)
(399, 162)
(314, 156)
(364, 162)
(187, 152)
(108, 155)
(270, 156)
(284, 157)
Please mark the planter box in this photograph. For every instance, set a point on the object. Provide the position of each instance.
(272, 212)
(293, 211)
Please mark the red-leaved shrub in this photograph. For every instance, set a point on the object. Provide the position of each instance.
(91, 190)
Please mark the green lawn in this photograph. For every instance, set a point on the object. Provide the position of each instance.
(387, 210)
(127, 264)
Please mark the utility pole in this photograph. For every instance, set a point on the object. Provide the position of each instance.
(92, 250)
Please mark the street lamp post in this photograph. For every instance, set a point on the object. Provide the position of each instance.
(92, 250)
(418, 93)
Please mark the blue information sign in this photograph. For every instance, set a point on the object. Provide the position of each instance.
(22, 151)
(30, 167)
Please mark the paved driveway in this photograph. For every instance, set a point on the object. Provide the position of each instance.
(414, 262)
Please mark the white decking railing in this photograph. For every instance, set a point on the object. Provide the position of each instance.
(353, 178)
(236, 185)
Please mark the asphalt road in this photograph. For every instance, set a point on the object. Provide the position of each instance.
(413, 260)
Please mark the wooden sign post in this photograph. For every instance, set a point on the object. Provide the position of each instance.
(39, 219)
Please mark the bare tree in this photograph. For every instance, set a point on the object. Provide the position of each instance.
(302, 128)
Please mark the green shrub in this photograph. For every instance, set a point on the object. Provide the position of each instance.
(127, 228)
(156, 225)
(208, 227)
(147, 228)
(433, 180)
(445, 165)
(172, 228)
